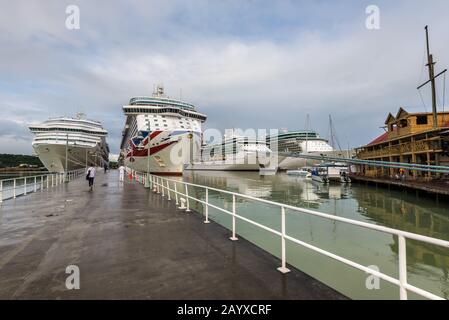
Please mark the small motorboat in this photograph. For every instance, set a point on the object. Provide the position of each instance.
(319, 175)
(303, 173)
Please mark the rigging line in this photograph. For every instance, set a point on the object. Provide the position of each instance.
(423, 64)
(444, 94)
(421, 75)
(422, 100)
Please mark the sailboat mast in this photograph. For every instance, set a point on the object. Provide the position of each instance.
(331, 128)
(431, 65)
(307, 132)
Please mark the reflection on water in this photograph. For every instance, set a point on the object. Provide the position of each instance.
(427, 264)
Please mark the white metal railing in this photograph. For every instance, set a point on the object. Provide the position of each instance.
(162, 185)
(11, 188)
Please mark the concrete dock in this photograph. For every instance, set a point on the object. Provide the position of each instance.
(130, 243)
(438, 188)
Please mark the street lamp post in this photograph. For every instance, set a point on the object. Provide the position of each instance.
(66, 157)
(147, 180)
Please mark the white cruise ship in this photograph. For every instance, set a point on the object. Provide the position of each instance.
(77, 142)
(236, 153)
(300, 142)
(173, 128)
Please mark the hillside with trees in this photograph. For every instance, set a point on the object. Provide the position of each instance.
(14, 160)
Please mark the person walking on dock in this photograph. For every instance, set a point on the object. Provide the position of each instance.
(121, 173)
(91, 176)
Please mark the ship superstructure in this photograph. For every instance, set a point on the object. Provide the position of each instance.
(172, 129)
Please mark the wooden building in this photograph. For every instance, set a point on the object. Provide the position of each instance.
(409, 138)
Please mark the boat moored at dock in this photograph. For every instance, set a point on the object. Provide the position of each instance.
(172, 129)
(64, 144)
(237, 153)
(298, 142)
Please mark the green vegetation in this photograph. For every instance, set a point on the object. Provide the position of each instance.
(14, 160)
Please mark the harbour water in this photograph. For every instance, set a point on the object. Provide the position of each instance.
(427, 265)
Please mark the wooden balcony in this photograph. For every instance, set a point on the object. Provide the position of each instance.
(406, 148)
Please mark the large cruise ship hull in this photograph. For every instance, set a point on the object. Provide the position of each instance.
(293, 163)
(167, 155)
(53, 157)
(249, 163)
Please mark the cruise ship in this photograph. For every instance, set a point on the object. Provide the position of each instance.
(172, 128)
(300, 142)
(65, 144)
(236, 153)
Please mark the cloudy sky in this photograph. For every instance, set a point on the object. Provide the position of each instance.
(245, 64)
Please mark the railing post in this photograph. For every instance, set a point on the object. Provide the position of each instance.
(35, 184)
(168, 190)
(42, 183)
(402, 251)
(154, 183)
(176, 193)
(206, 208)
(283, 268)
(25, 186)
(233, 238)
(162, 187)
(48, 181)
(1, 191)
(158, 184)
(14, 189)
(187, 199)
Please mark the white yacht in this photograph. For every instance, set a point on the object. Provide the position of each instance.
(237, 153)
(66, 143)
(173, 128)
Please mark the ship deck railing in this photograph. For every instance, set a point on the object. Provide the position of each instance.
(179, 192)
(11, 188)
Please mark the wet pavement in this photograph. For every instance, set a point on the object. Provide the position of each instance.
(130, 243)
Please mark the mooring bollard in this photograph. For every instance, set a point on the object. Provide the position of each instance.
(183, 202)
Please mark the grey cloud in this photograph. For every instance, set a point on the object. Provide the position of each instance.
(243, 65)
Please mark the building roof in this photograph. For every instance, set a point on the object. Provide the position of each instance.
(390, 118)
(383, 137)
(401, 113)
